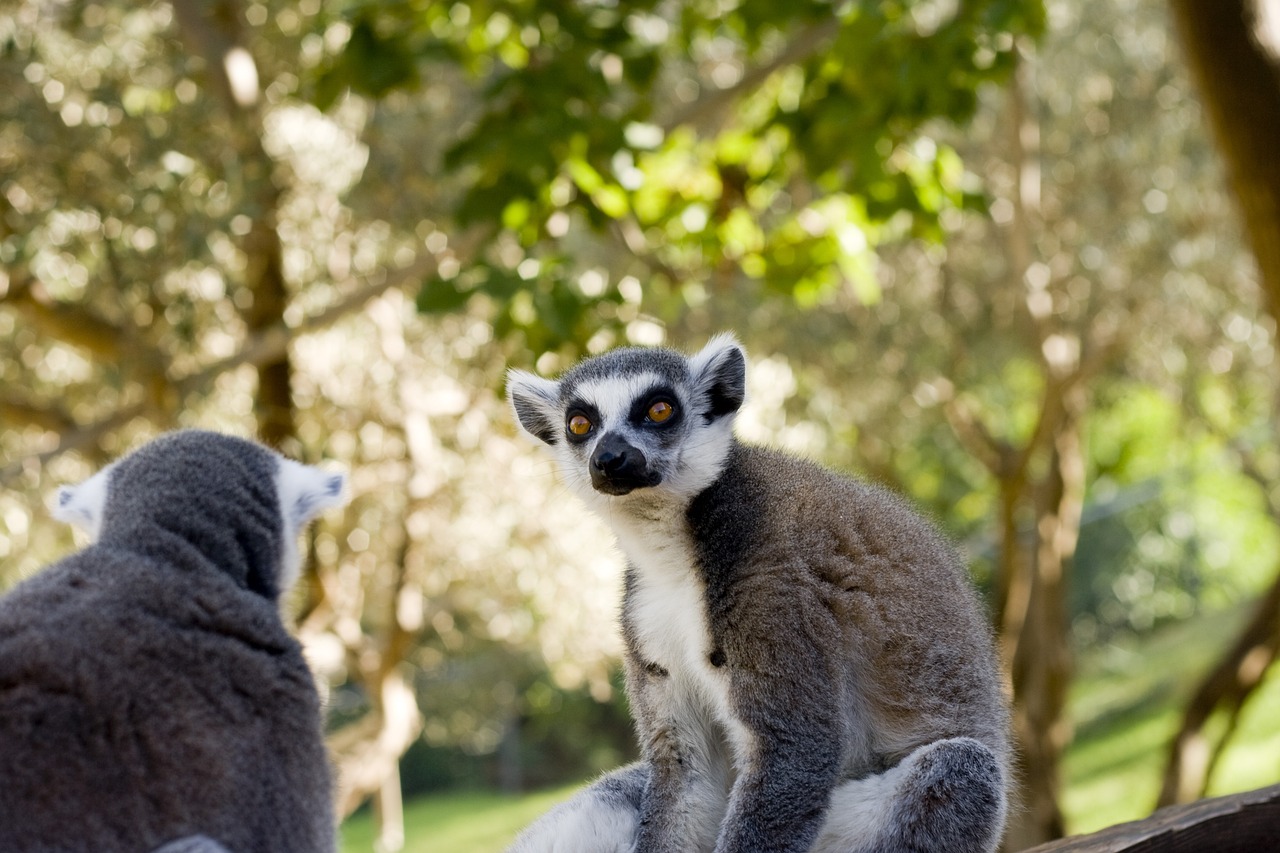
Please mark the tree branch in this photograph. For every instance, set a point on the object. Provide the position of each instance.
(51, 418)
(1231, 681)
(260, 348)
(705, 109)
(77, 325)
(993, 453)
(1233, 824)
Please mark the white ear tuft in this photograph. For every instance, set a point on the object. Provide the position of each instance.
(720, 373)
(536, 403)
(305, 492)
(83, 505)
(716, 346)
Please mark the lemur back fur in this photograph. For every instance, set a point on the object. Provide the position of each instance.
(807, 664)
(150, 695)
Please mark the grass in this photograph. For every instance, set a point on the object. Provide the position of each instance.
(465, 822)
(1125, 705)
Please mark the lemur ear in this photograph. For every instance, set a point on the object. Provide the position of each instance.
(720, 375)
(306, 491)
(536, 402)
(84, 504)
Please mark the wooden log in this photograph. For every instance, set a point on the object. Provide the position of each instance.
(1239, 823)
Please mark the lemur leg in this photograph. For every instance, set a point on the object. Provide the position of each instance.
(601, 819)
(947, 795)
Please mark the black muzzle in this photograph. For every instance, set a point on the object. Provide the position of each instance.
(618, 467)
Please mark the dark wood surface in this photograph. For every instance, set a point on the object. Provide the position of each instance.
(1239, 823)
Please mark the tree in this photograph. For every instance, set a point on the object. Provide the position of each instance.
(765, 141)
(1233, 51)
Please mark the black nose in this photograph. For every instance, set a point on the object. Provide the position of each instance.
(613, 459)
(617, 466)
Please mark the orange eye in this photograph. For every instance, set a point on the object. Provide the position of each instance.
(579, 425)
(661, 411)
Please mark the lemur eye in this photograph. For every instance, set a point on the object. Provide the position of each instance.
(579, 425)
(661, 411)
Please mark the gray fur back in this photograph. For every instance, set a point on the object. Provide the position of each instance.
(149, 690)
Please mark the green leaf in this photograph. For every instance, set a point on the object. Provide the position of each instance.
(441, 297)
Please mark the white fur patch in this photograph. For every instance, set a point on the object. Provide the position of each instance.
(83, 505)
(584, 824)
(702, 458)
(860, 811)
(668, 602)
(614, 396)
(669, 611)
(304, 492)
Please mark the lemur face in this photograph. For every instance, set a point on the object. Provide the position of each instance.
(637, 420)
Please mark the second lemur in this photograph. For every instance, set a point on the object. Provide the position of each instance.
(808, 667)
(151, 697)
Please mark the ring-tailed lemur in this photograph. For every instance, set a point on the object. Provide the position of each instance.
(807, 665)
(149, 692)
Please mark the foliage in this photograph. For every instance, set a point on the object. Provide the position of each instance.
(776, 141)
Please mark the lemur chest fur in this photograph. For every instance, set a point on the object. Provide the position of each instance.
(666, 608)
(668, 611)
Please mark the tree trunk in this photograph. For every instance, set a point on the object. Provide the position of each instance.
(273, 404)
(367, 752)
(1031, 584)
(388, 807)
(215, 31)
(1236, 65)
(381, 630)
(510, 765)
(1042, 664)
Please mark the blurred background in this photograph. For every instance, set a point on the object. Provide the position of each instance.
(1017, 260)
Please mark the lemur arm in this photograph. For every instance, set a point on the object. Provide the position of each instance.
(784, 690)
(780, 802)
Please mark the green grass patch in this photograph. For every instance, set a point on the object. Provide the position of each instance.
(1126, 704)
(463, 822)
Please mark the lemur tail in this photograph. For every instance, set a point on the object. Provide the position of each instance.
(948, 795)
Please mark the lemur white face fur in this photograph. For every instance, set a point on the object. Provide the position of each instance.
(634, 427)
(302, 490)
